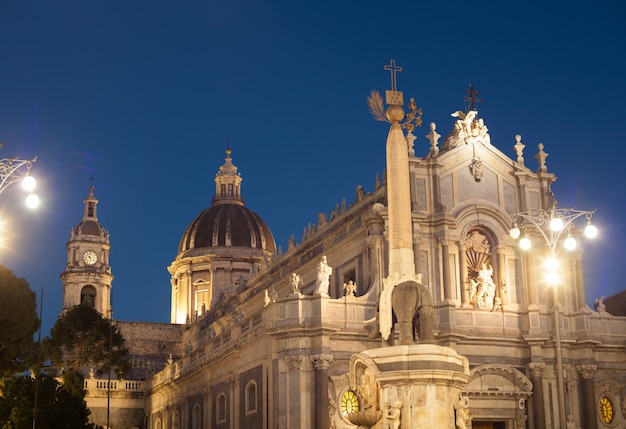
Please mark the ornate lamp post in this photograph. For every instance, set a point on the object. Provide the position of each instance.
(552, 224)
(14, 170)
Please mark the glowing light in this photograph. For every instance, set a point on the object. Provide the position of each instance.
(556, 224)
(29, 183)
(570, 243)
(514, 232)
(32, 201)
(591, 231)
(525, 243)
(552, 270)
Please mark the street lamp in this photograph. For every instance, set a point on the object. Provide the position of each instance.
(552, 224)
(13, 170)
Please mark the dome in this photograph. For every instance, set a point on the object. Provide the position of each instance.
(89, 227)
(89, 224)
(224, 225)
(227, 223)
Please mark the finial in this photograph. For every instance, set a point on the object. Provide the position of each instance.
(228, 150)
(541, 157)
(395, 100)
(471, 98)
(433, 137)
(519, 148)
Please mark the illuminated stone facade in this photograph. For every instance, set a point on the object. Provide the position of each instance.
(258, 352)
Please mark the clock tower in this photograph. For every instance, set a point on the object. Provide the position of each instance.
(87, 277)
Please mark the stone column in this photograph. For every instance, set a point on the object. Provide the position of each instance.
(463, 274)
(374, 241)
(184, 412)
(416, 249)
(233, 382)
(290, 404)
(579, 279)
(445, 264)
(206, 407)
(588, 396)
(536, 372)
(500, 280)
(529, 264)
(321, 362)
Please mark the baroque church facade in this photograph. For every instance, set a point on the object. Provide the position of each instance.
(261, 338)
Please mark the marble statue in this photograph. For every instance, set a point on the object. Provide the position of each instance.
(323, 277)
(350, 288)
(295, 283)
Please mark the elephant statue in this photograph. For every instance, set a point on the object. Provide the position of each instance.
(412, 306)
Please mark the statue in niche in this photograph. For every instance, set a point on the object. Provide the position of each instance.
(295, 282)
(350, 288)
(323, 277)
(481, 287)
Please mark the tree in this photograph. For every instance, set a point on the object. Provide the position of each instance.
(60, 405)
(82, 338)
(18, 323)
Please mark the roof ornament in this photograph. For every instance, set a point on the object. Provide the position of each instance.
(471, 98)
(468, 128)
(394, 114)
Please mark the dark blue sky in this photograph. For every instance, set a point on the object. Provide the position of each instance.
(142, 96)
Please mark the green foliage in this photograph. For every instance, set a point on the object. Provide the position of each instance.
(18, 323)
(82, 338)
(58, 405)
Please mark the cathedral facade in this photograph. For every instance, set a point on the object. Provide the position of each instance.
(264, 338)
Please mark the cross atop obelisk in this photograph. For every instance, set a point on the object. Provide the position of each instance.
(393, 96)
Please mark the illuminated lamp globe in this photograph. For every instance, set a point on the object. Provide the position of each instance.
(32, 201)
(29, 183)
(514, 232)
(525, 243)
(570, 242)
(591, 231)
(556, 224)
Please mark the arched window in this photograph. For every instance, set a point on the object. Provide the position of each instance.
(195, 417)
(251, 397)
(220, 408)
(176, 420)
(88, 296)
(157, 424)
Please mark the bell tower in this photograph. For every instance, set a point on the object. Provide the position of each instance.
(87, 277)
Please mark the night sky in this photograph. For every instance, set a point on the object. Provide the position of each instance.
(144, 96)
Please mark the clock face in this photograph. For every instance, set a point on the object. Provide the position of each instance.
(606, 410)
(349, 403)
(90, 257)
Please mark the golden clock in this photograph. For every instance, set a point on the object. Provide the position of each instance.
(90, 257)
(349, 403)
(606, 410)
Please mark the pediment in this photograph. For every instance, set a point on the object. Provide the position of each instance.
(201, 282)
